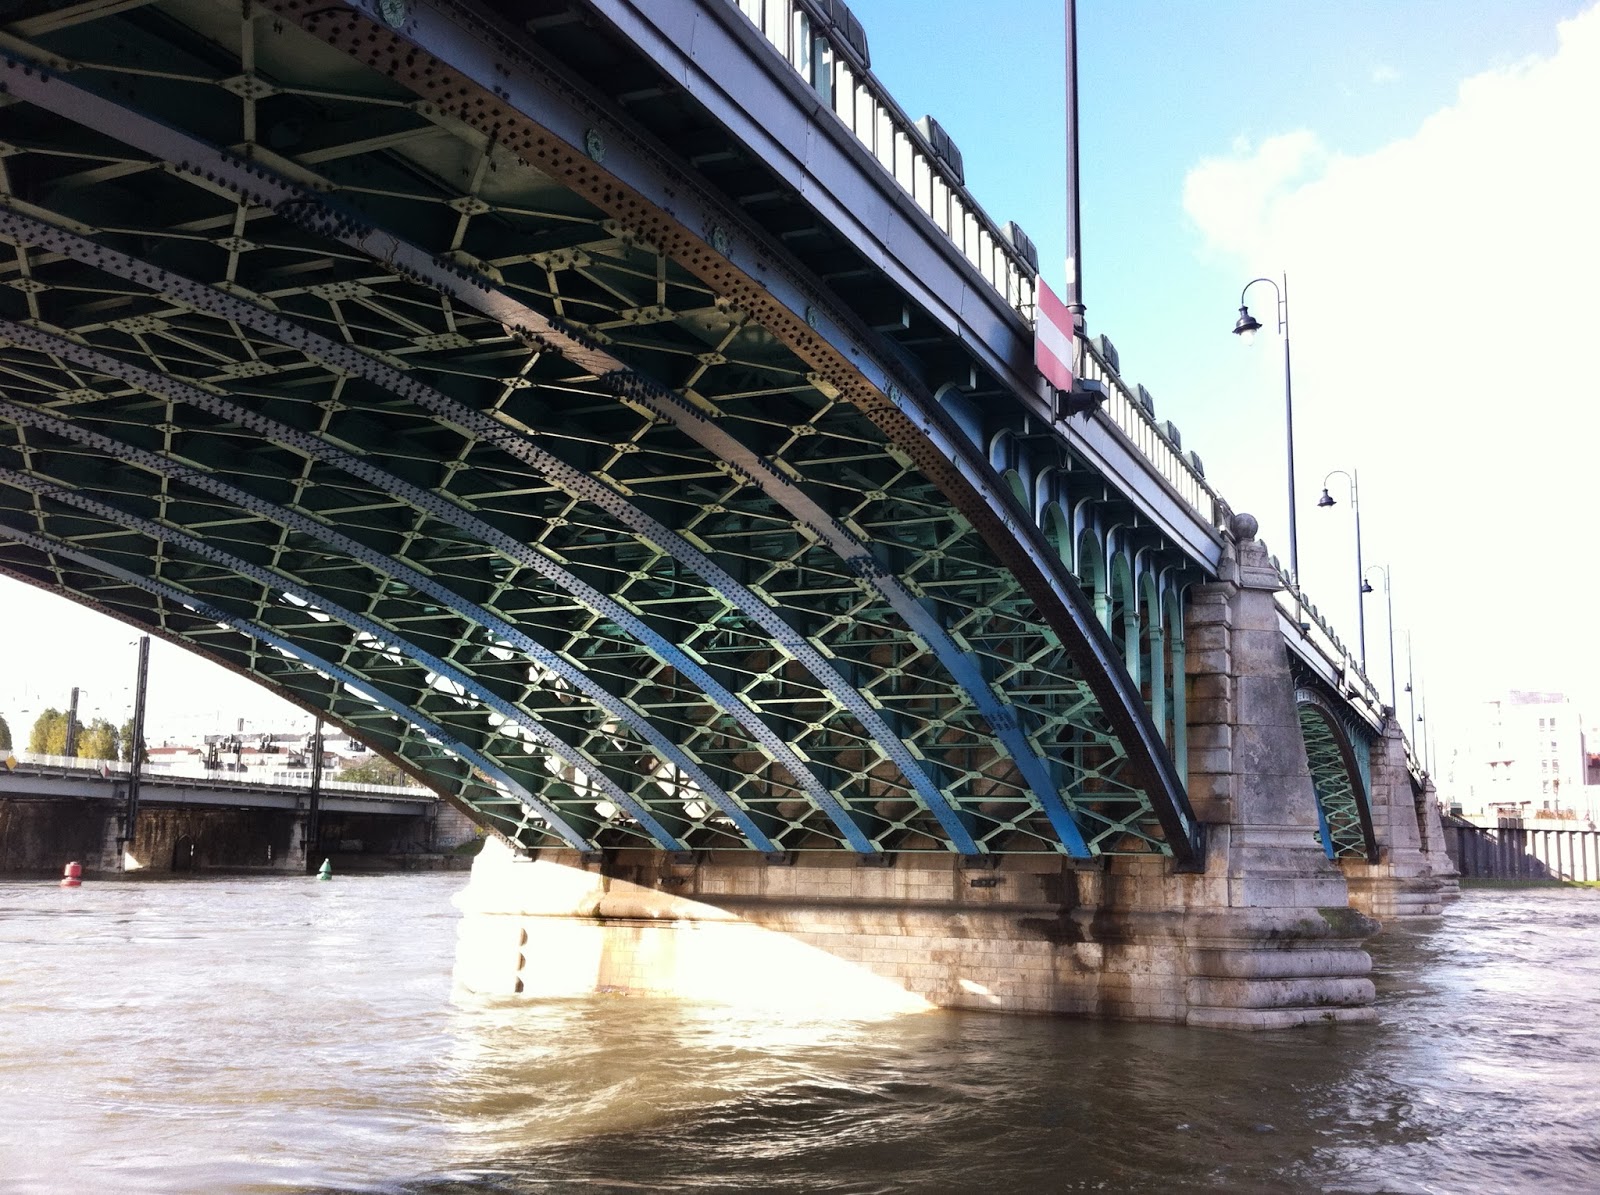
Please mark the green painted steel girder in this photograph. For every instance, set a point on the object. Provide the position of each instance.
(254, 303)
(1333, 752)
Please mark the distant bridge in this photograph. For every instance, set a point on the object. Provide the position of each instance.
(54, 810)
(35, 775)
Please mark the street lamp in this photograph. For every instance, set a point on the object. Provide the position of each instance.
(1411, 688)
(1388, 597)
(1246, 328)
(1362, 587)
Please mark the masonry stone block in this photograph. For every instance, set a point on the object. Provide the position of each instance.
(1211, 710)
(1214, 735)
(1263, 937)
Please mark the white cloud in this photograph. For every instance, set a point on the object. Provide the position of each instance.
(1231, 198)
(1443, 312)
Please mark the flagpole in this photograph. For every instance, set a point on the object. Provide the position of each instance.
(1074, 295)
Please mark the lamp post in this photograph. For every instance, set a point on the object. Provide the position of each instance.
(70, 750)
(1362, 587)
(1411, 683)
(130, 813)
(1247, 326)
(1422, 718)
(1074, 220)
(1388, 597)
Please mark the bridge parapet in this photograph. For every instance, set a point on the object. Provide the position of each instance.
(1153, 441)
(830, 56)
(109, 768)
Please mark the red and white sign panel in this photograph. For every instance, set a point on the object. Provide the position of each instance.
(1052, 339)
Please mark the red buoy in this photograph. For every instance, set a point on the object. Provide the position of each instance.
(72, 875)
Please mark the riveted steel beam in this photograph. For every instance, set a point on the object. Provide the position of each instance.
(305, 207)
(474, 56)
(356, 684)
(469, 685)
(356, 221)
(318, 448)
(25, 229)
(306, 525)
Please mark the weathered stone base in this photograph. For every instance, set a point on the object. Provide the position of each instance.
(1386, 893)
(828, 935)
(1431, 825)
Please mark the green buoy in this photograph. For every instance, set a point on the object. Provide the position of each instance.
(325, 872)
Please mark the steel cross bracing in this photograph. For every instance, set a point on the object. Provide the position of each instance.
(1343, 803)
(751, 617)
(453, 682)
(315, 448)
(351, 686)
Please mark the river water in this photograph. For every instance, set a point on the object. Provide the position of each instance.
(244, 1035)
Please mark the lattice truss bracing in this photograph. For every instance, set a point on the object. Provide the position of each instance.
(311, 376)
(1344, 811)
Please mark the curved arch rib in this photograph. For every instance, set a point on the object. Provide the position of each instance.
(427, 726)
(253, 182)
(311, 527)
(319, 449)
(1332, 760)
(27, 230)
(569, 755)
(312, 212)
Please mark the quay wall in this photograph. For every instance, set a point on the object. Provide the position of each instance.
(38, 835)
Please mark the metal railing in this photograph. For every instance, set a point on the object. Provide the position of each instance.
(1319, 634)
(823, 57)
(1527, 854)
(814, 46)
(1150, 439)
(278, 778)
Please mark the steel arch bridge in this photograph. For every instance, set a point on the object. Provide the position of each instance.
(620, 516)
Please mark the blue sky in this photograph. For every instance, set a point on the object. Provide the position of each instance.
(1425, 174)
(1423, 171)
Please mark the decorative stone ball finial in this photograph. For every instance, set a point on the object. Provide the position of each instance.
(1244, 526)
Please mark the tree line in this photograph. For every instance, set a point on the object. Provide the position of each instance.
(97, 739)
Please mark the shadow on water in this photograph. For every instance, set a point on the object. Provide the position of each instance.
(281, 1035)
(1481, 1076)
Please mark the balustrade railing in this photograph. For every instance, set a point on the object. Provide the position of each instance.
(1319, 633)
(826, 48)
(1150, 439)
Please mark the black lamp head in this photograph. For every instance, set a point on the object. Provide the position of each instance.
(1248, 325)
(1327, 499)
(1366, 586)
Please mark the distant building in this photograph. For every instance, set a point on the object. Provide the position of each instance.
(279, 756)
(1529, 759)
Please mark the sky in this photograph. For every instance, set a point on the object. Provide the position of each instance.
(1424, 175)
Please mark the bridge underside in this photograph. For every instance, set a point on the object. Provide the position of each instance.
(1334, 751)
(359, 382)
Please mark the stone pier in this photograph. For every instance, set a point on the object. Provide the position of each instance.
(1403, 882)
(1263, 938)
(1430, 824)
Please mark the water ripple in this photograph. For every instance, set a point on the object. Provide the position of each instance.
(244, 1036)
